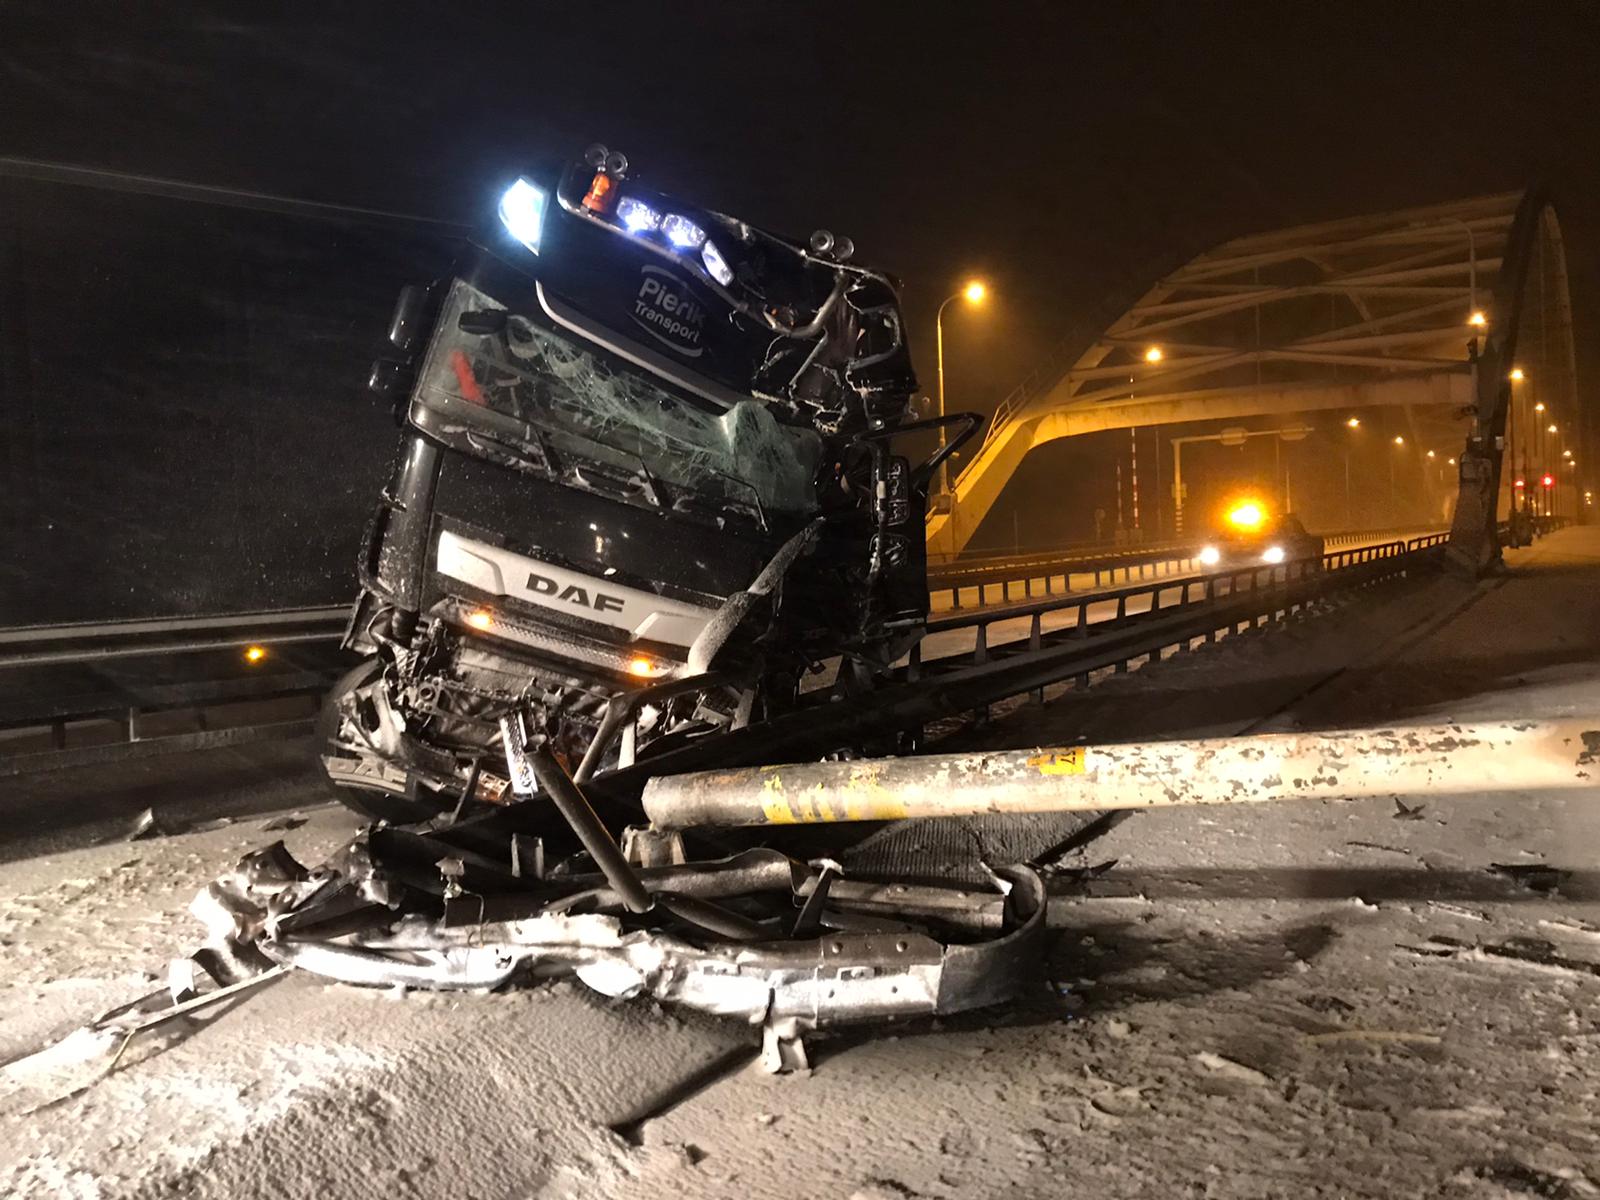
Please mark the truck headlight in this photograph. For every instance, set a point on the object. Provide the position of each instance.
(1210, 556)
(637, 216)
(716, 266)
(682, 232)
(522, 212)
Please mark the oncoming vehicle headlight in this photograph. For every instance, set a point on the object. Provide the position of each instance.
(522, 212)
(1210, 556)
(1272, 554)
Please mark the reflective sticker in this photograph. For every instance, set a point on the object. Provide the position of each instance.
(1072, 761)
(774, 804)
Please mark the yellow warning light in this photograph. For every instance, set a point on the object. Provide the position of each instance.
(1248, 514)
(645, 667)
(255, 654)
(480, 618)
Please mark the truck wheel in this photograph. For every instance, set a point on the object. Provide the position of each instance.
(399, 801)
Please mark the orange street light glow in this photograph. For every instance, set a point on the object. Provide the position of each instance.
(1477, 320)
(1354, 422)
(1550, 429)
(1398, 440)
(255, 654)
(1431, 454)
(1153, 355)
(1539, 407)
(644, 667)
(1516, 375)
(975, 292)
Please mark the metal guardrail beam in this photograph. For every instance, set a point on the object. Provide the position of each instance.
(926, 691)
(51, 645)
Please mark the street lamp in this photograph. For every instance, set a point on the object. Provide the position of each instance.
(1398, 440)
(1478, 320)
(1153, 355)
(973, 292)
(1354, 422)
(1516, 375)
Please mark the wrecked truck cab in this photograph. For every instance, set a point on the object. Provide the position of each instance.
(647, 469)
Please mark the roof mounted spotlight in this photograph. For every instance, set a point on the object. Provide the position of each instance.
(609, 170)
(824, 244)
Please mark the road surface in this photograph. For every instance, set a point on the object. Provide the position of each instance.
(1237, 1007)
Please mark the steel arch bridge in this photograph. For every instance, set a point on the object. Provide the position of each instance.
(1417, 308)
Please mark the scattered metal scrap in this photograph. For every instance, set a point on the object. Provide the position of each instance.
(758, 935)
(532, 890)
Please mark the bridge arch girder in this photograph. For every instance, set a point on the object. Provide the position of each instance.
(1365, 311)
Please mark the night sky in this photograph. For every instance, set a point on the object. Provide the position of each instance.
(1069, 153)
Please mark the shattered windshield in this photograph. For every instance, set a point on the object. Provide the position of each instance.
(580, 413)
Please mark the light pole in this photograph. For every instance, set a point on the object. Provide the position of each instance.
(972, 293)
(1351, 423)
(1394, 498)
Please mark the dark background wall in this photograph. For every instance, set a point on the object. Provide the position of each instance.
(185, 426)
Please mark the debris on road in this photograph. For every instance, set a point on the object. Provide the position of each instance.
(1536, 877)
(1226, 1068)
(1532, 952)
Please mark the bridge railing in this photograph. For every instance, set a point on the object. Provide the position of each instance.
(1100, 564)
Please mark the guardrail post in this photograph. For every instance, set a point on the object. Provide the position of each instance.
(1035, 632)
(914, 663)
(980, 652)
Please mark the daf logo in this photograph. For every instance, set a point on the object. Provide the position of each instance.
(668, 312)
(573, 594)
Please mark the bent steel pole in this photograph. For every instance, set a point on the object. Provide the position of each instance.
(1426, 760)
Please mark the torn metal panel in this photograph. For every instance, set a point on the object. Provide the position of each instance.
(857, 952)
(1408, 762)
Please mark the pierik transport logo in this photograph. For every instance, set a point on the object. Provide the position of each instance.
(668, 312)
